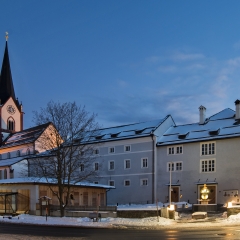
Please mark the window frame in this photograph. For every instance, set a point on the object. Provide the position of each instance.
(142, 182)
(109, 165)
(113, 181)
(109, 150)
(125, 181)
(208, 165)
(96, 166)
(142, 162)
(127, 146)
(174, 166)
(208, 150)
(81, 168)
(175, 150)
(125, 163)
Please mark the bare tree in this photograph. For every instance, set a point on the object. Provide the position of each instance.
(68, 158)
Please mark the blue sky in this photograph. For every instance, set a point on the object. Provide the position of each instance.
(126, 60)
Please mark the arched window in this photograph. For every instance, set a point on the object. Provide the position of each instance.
(18, 153)
(8, 155)
(11, 124)
(28, 152)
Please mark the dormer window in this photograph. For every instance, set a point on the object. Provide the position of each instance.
(11, 124)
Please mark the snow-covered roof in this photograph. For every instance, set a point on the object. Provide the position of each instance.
(29, 135)
(28, 180)
(10, 161)
(129, 131)
(220, 125)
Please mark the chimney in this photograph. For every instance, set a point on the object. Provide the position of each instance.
(237, 107)
(202, 112)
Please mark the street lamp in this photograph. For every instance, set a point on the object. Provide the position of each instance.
(171, 207)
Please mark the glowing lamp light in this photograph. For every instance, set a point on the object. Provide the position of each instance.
(229, 205)
(171, 207)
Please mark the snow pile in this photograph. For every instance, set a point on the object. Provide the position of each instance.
(234, 218)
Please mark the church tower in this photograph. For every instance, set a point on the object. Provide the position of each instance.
(11, 114)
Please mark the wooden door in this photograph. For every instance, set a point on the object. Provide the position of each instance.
(175, 194)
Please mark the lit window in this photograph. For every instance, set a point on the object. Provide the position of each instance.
(127, 164)
(111, 150)
(208, 165)
(144, 162)
(208, 148)
(127, 183)
(127, 148)
(111, 165)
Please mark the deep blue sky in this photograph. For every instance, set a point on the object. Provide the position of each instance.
(126, 60)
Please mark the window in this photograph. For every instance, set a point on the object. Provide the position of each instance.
(95, 182)
(127, 183)
(127, 164)
(111, 183)
(18, 153)
(144, 162)
(208, 165)
(171, 150)
(175, 150)
(96, 166)
(81, 167)
(28, 152)
(111, 165)
(96, 151)
(174, 166)
(144, 182)
(111, 150)
(8, 155)
(179, 149)
(169, 167)
(0, 156)
(81, 153)
(208, 148)
(10, 124)
(178, 166)
(127, 148)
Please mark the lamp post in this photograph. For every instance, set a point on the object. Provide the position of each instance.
(170, 184)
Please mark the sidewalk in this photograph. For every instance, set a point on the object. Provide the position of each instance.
(183, 221)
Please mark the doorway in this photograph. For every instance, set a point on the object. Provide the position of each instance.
(175, 194)
(212, 193)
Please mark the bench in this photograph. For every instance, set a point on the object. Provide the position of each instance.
(95, 216)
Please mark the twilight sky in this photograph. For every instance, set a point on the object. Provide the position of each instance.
(126, 60)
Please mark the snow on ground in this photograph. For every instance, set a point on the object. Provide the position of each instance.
(183, 220)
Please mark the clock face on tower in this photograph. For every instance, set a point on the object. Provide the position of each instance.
(11, 109)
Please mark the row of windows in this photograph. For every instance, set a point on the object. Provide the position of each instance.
(111, 165)
(206, 149)
(127, 182)
(127, 148)
(18, 154)
(208, 165)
